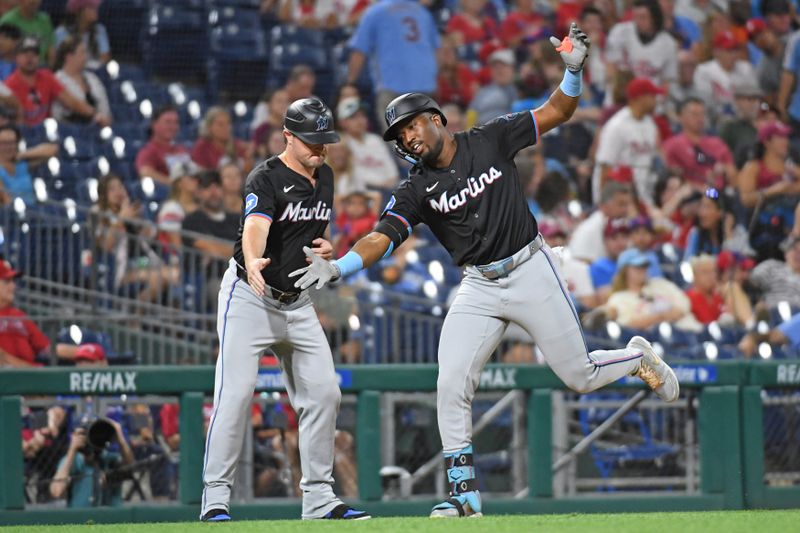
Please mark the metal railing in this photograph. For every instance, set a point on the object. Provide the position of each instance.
(155, 295)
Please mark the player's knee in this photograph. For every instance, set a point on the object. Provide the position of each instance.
(581, 386)
(329, 395)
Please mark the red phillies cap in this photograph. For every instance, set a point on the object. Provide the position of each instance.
(6, 272)
(725, 40)
(615, 226)
(754, 27)
(621, 174)
(90, 352)
(641, 87)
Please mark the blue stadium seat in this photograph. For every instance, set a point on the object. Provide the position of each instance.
(124, 24)
(175, 45)
(608, 457)
(287, 34)
(238, 64)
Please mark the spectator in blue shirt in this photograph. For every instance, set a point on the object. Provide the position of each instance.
(616, 237)
(85, 474)
(82, 21)
(16, 180)
(788, 103)
(400, 39)
(9, 39)
(684, 29)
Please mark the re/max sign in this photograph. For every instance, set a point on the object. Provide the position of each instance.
(102, 382)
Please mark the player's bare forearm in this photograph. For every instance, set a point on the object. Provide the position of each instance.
(372, 248)
(558, 109)
(254, 237)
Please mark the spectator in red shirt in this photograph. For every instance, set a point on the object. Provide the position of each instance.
(706, 161)
(470, 25)
(520, 23)
(707, 303)
(355, 221)
(161, 153)
(37, 88)
(20, 339)
(457, 83)
(217, 146)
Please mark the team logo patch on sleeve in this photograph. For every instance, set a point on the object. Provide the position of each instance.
(250, 202)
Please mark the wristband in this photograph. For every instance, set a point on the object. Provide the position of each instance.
(572, 84)
(350, 263)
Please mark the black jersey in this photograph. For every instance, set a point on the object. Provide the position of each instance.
(299, 213)
(476, 207)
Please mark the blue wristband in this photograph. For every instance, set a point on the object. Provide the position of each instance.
(572, 84)
(350, 263)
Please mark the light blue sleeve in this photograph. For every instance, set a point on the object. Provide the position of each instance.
(60, 34)
(364, 38)
(691, 244)
(433, 32)
(103, 46)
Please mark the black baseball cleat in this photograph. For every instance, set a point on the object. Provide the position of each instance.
(216, 515)
(345, 512)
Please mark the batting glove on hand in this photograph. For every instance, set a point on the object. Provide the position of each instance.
(319, 271)
(574, 49)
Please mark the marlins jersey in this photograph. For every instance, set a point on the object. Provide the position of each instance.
(299, 213)
(476, 206)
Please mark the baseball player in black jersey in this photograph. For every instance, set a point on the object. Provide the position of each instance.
(288, 201)
(465, 187)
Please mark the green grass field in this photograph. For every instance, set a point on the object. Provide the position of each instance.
(722, 521)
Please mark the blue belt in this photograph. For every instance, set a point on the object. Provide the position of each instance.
(502, 267)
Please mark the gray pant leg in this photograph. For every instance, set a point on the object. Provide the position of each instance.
(540, 303)
(314, 392)
(246, 326)
(470, 335)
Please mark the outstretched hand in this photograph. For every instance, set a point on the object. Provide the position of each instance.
(574, 48)
(319, 271)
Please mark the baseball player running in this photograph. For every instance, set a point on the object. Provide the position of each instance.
(287, 205)
(466, 188)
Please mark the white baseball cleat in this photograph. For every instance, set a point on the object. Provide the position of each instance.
(654, 371)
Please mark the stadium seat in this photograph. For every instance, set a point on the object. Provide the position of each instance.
(607, 456)
(176, 43)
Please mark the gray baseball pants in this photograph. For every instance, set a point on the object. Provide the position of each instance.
(534, 296)
(247, 325)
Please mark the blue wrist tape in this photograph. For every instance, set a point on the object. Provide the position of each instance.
(350, 263)
(572, 84)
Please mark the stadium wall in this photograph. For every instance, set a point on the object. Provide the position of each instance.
(730, 421)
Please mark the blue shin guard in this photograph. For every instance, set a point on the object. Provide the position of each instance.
(464, 500)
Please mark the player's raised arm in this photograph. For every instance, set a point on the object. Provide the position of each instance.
(574, 50)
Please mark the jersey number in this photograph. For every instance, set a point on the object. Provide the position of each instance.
(412, 33)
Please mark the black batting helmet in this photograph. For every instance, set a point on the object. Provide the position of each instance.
(405, 107)
(311, 121)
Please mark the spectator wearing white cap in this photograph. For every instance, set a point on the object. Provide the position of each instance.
(495, 99)
(373, 165)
